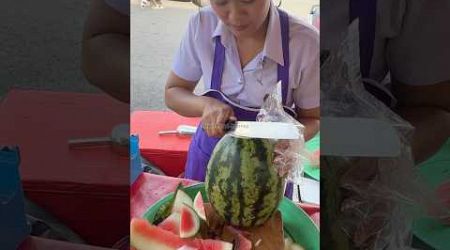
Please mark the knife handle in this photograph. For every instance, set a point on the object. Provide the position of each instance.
(230, 125)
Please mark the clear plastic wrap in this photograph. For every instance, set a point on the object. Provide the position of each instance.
(290, 154)
(370, 201)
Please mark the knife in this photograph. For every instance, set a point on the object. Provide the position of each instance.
(181, 130)
(264, 130)
(119, 140)
(358, 137)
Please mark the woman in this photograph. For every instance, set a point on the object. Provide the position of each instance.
(242, 48)
(412, 44)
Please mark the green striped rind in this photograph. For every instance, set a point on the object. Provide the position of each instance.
(242, 185)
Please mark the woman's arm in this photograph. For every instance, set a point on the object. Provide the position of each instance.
(180, 98)
(310, 118)
(106, 50)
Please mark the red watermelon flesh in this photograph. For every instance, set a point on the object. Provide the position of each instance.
(199, 207)
(215, 245)
(316, 218)
(189, 222)
(145, 236)
(187, 248)
(171, 223)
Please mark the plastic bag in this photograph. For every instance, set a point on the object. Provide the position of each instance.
(290, 154)
(371, 201)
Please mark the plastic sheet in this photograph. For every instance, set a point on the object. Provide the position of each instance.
(291, 155)
(370, 201)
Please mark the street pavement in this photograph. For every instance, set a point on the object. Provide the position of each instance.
(41, 50)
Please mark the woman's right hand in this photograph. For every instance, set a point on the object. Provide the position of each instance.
(214, 116)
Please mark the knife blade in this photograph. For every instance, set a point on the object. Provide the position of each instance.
(358, 137)
(263, 130)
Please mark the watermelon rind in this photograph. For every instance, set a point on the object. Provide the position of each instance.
(199, 207)
(145, 236)
(171, 223)
(181, 198)
(242, 184)
(187, 213)
(163, 212)
(187, 248)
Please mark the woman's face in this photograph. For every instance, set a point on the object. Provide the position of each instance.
(242, 17)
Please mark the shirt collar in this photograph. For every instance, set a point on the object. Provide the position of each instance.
(225, 35)
(273, 48)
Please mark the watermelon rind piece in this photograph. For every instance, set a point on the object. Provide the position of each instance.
(215, 245)
(181, 197)
(163, 212)
(188, 218)
(187, 248)
(199, 206)
(145, 236)
(171, 223)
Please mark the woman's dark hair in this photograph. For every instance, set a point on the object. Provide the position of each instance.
(199, 3)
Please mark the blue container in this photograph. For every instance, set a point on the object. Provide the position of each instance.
(135, 158)
(13, 224)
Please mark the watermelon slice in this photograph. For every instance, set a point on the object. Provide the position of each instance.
(187, 248)
(181, 198)
(145, 236)
(189, 222)
(215, 245)
(171, 223)
(163, 212)
(199, 207)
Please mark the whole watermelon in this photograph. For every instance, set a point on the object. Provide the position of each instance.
(241, 182)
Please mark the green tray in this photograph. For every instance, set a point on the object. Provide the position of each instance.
(434, 171)
(313, 145)
(297, 224)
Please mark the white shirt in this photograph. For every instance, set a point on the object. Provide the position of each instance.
(412, 41)
(248, 86)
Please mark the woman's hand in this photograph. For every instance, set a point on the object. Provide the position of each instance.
(214, 116)
(180, 98)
